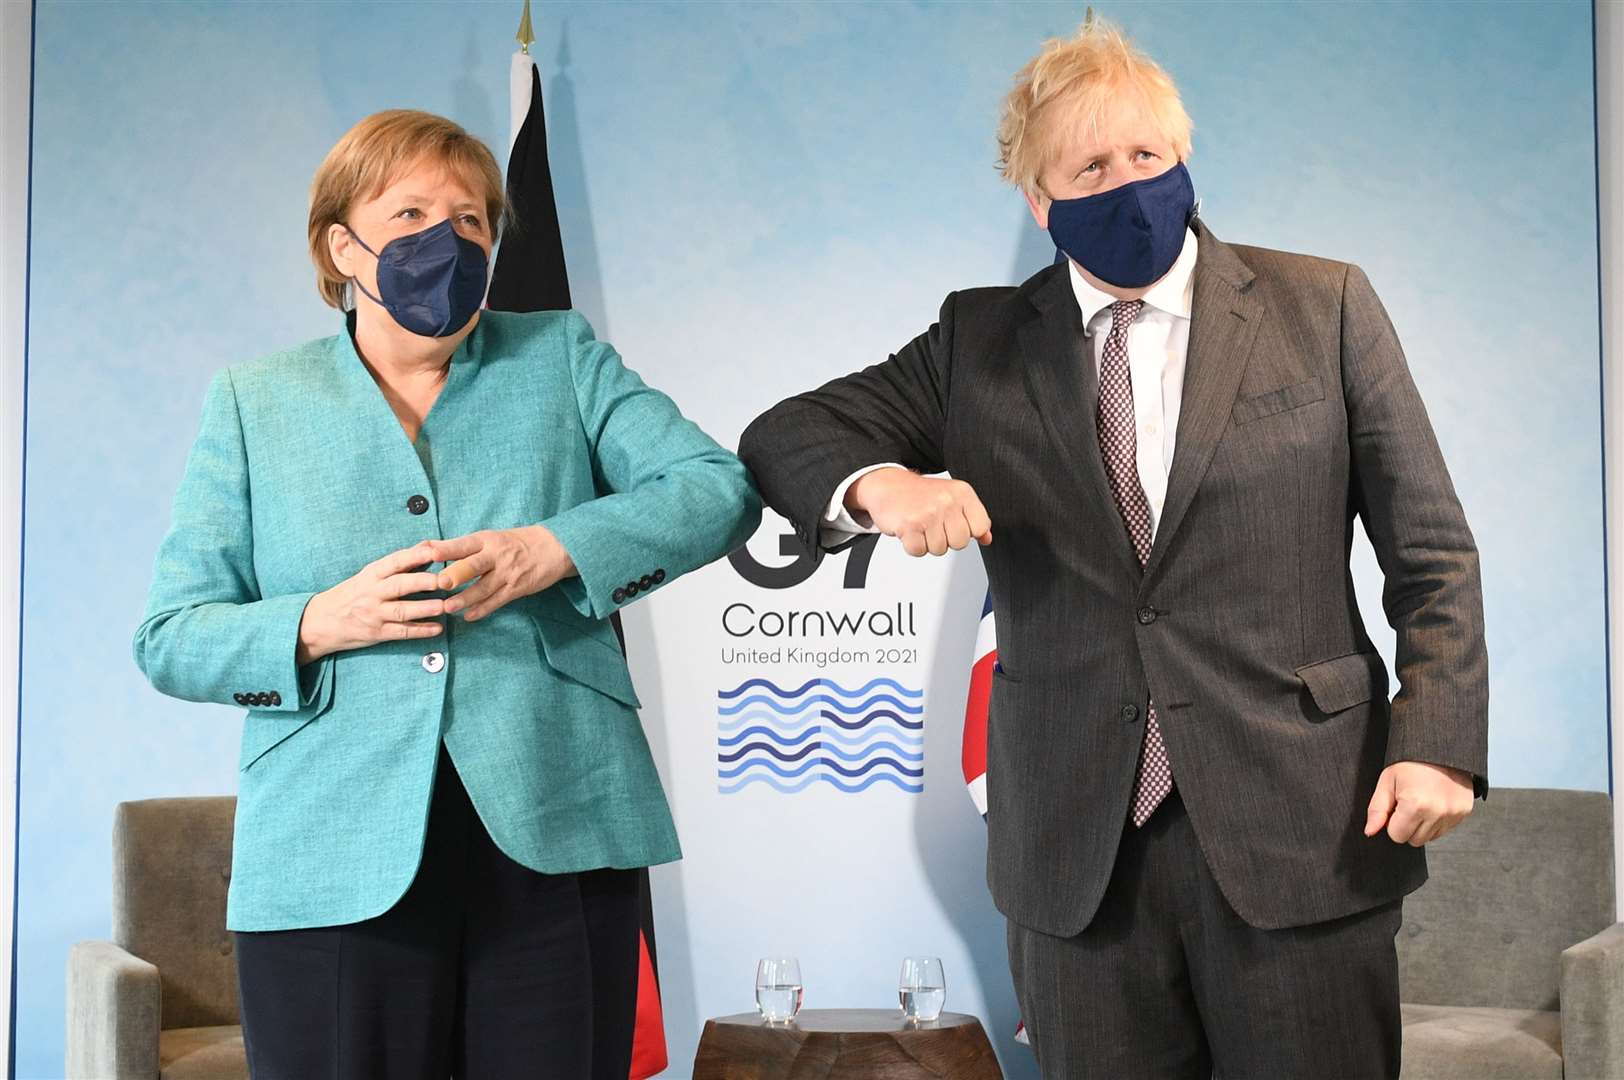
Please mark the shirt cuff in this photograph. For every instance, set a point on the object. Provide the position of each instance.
(839, 524)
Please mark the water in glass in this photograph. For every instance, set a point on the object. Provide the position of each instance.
(922, 990)
(778, 988)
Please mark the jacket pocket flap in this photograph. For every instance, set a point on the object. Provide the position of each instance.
(1274, 401)
(574, 651)
(1345, 681)
(266, 729)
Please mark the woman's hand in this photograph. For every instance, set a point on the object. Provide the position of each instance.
(368, 608)
(509, 563)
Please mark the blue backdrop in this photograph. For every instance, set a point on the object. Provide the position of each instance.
(756, 197)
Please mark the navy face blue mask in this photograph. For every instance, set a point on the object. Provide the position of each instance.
(1131, 235)
(432, 281)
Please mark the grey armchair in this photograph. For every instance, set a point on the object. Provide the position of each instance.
(1510, 963)
(160, 999)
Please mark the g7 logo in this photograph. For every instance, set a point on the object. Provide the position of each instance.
(858, 554)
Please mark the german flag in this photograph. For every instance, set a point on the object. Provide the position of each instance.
(530, 275)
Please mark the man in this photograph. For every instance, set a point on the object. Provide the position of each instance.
(1204, 812)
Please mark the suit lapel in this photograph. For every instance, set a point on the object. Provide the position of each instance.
(1224, 319)
(1062, 382)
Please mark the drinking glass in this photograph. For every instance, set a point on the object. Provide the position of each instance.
(922, 989)
(778, 988)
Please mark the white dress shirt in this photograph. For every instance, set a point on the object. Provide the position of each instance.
(1158, 342)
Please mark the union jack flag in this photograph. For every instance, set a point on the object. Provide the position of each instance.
(974, 752)
(975, 709)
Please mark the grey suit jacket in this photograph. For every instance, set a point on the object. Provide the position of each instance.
(1298, 414)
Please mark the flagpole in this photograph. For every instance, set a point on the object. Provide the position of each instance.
(519, 77)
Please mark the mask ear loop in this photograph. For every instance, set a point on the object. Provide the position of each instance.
(355, 281)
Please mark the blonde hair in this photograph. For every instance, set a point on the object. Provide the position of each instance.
(1068, 86)
(368, 159)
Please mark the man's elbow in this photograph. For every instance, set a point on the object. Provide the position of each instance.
(751, 443)
(758, 443)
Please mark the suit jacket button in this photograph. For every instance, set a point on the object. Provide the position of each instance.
(1130, 713)
(646, 581)
(618, 596)
(659, 576)
(240, 699)
(631, 588)
(433, 662)
(1147, 615)
(276, 697)
(417, 504)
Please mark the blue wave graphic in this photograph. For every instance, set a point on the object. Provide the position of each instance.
(768, 748)
(841, 785)
(843, 755)
(826, 684)
(792, 738)
(859, 738)
(828, 763)
(820, 699)
(915, 725)
(863, 755)
(820, 732)
(782, 738)
(787, 723)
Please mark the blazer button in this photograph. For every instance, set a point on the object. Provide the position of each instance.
(618, 596)
(240, 699)
(631, 588)
(256, 698)
(1147, 615)
(1130, 713)
(646, 581)
(659, 576)
(434, 662)
(276, 697)
(417, 504)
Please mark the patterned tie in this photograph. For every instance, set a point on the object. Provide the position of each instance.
(1119, 448)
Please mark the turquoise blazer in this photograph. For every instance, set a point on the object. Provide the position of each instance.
(300, 476)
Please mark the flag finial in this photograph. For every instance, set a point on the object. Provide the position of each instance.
(1088, 15)
(526, 34)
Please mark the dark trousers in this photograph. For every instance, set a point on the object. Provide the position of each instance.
(1168, 982)
(484, 969)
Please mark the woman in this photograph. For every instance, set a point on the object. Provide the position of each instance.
(442, 792)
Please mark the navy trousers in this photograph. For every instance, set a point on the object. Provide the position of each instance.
(483, 970)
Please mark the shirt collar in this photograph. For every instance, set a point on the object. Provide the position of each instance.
(1171, 294)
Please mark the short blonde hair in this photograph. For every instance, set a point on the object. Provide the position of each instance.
(1068, 86)
(368, 159)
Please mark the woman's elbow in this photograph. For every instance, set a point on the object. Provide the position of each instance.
(746, 502)
(737, 510)
(152, 651)
(748, 516)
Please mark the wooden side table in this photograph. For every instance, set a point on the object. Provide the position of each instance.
(845, 1044)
